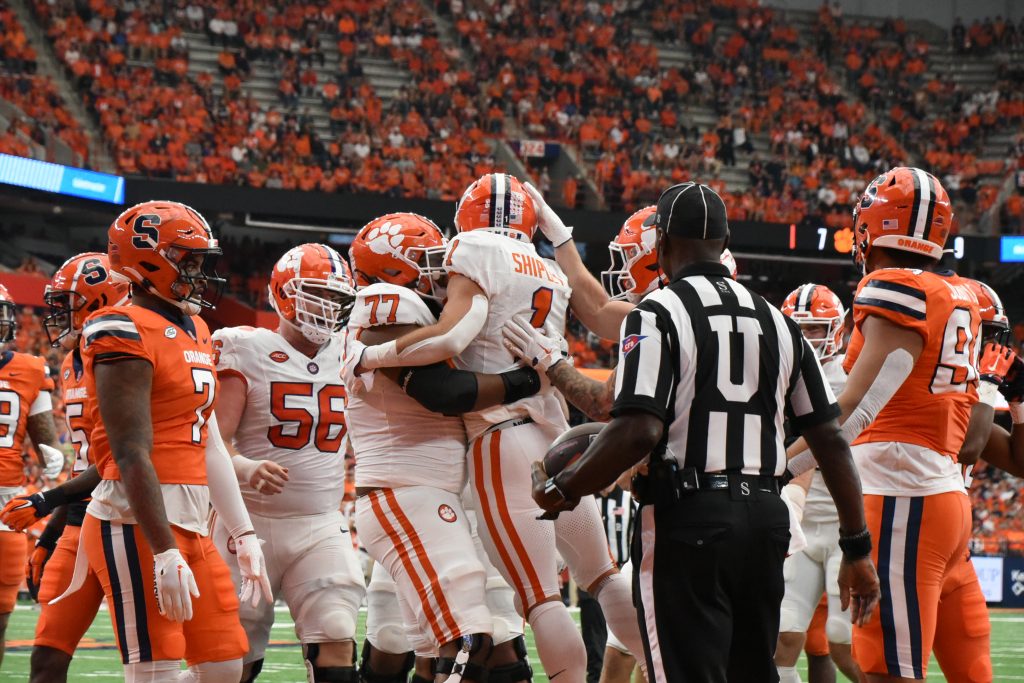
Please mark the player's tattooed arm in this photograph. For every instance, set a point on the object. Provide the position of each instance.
(592, 397)
(42, 429)
(123, 391)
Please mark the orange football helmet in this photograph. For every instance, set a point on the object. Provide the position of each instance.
(404, 249)
(995, 326)
(168, 250)
(729, 261)
(79, 287)
(634, 271)
(814, 305)
(906, 209)
(312, 290)
(497, 202)
(8, 316)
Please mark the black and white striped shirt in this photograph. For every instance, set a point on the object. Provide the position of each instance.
(723, 369)
(617, 515)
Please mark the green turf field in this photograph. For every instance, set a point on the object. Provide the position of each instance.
(99, 661)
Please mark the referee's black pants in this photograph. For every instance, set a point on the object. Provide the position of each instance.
(709, 586)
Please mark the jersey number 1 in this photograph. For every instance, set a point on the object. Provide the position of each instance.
(541, 306)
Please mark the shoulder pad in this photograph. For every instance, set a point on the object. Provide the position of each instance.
(385, 304)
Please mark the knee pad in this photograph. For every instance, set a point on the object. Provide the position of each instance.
(839, 629)
(164, 671)
(368, 675)
(338, 625)
(516, 671)
(254, 670)
(390, 639)
(789, 620)
(227, 671)
(327, 674)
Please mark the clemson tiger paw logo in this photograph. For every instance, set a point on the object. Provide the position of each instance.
(843, 240)
(385, 238)
(292, 260)
(446, 513)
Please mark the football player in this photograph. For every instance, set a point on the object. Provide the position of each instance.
(149, 366)
(913, 377)
(80, 287)
(409, 481)
(281, 403)
(815, 569)
(26, 408)
(495, 275)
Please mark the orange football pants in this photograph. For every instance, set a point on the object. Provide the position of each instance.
(12, 568)
(918, 543)
(62, 625)
(817, 642)
(962, 635)
(123, 563)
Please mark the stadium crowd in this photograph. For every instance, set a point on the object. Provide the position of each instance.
(779, 95)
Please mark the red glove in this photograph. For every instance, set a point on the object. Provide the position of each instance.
(996, 361)
(34, 568)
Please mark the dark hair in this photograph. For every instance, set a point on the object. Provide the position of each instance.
(910, 259)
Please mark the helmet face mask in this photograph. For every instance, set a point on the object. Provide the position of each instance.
(433, 279)
(8, 321)
(634, 271)
(823, 334)
(82, 285)
(198, 285)
(58, 323)
(322, 307)
(819, 314)
(402, 249)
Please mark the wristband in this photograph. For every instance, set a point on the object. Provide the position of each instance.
(519, 384)
(856, 546)
(551, 485)
(1017, 413)
(56, 497)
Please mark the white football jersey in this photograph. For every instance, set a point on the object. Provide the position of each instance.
(396, 441)
(517, 282)
(820, 508)
(294, 415)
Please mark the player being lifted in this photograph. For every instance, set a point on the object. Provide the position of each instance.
(912, 364)
(25, 409)
(149, 365)
(282, 404)
(80, 287)
(495, 275)
(411, 462)
(815, 569)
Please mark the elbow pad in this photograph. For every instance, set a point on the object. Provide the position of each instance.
(440, 388)
(433, 350)
(519, 384)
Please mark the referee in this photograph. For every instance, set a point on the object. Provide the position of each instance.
(707, 373)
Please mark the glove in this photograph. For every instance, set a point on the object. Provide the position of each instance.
(996, 362)
(355, 384)
(253, 567)
(550, 224)
(531, 345)
(22, 512)
(54, 461)
(37, 559)
(1012, 387)
(174, 585)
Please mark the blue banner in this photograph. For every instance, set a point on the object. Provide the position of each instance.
(1011, 249)
(1013, 582)
(66, 180)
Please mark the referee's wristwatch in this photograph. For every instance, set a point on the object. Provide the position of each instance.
(855, 546)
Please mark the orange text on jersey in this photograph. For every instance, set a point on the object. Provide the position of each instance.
(524, 264)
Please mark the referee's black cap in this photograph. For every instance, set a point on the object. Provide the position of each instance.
(693, 211)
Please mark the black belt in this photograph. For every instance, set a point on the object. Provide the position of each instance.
(665, 483)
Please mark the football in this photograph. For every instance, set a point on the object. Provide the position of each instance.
(566, 449)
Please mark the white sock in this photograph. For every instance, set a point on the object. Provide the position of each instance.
(788, 674)
(559, 643)
(616, 599)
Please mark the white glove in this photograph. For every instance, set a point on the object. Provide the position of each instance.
(536, 349)
(550, 224)
(174, 584)
(253, 567)
(54, 461)
(355, 384)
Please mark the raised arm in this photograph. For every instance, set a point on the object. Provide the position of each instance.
(589, 300)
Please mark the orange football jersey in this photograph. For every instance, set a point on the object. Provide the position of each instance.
(77, 416)
(183, 391)
(22, 379)
(933, 406)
